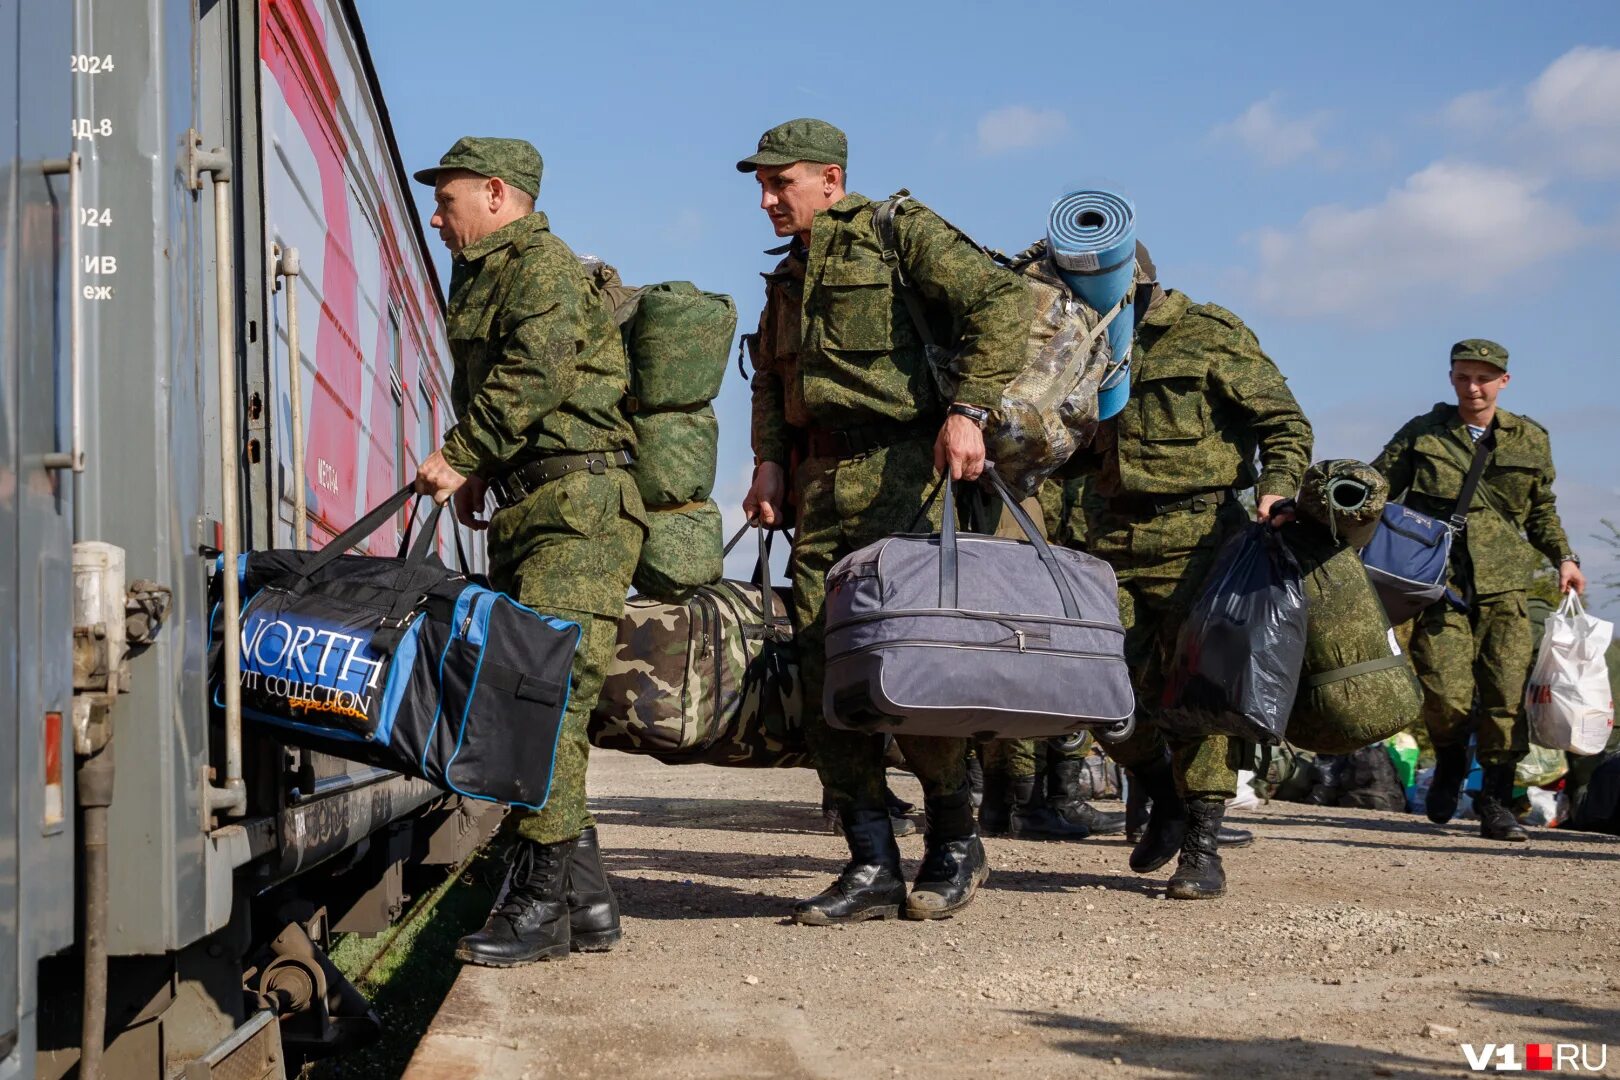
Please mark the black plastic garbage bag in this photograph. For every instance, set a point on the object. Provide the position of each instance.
(1237, 660)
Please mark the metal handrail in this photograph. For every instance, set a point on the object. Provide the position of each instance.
(73, 167)
(289, 268)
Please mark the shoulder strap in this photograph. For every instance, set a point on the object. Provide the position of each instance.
(883, 215)
(1476, 469)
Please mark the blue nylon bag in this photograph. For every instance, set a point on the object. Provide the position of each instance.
(402, 662)
(1408, 560)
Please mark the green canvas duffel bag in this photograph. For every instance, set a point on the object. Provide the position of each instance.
(1356, 685)
(679, 340)
(675, 455)
(681, 552)
(710, 680)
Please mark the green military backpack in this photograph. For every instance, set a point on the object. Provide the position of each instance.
(1049, 410)
(1356, 685)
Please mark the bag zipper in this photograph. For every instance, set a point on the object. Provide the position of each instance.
(988, 646)
(983, 616)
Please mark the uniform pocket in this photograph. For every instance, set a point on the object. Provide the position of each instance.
(857, 300)
(1512, 476)
(1174, 407)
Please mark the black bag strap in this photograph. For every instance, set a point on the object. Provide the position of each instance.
(1476, 470)
(348, 538)
(949, 562)
(889, 250)
(762, 573)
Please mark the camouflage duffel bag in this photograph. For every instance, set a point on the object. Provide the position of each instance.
(709, 681)
(1356, 686)
(675, 455)
(679, 339)
(681, 552)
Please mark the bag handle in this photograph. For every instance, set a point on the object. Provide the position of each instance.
(1476, 470)
(949, 561)
(370, 523)
(762, 571)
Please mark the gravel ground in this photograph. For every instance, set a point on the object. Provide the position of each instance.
(1351, 944)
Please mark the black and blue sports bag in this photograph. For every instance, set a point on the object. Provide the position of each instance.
(402, 662)
(1408, 558)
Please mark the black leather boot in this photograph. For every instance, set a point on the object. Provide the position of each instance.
(1137, 808)
(1063, 791)
(870, 886)
(530, 920)
(593, 913)
(1034, 819)
(1445, 786)
(899, 813)
(1167, 820)
(954, 865)
(1495, 806)
(995, 812)
(1198, 874)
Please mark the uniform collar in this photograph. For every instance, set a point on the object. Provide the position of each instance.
(1167, 311)
(850, 202)
(511, 233)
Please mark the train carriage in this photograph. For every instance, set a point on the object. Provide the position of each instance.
(220, 329)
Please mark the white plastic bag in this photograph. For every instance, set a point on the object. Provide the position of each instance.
(1568, 697)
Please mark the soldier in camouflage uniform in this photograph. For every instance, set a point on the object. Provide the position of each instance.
(1205, 403)
(842, 396)
(1483, 644)
(539, 374)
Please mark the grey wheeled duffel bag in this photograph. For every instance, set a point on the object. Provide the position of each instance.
(969, 635)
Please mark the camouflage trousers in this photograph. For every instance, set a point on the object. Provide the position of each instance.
(1162, 563)
(843, 505)
(1485, 649)
(569, 550)
(1017, 758)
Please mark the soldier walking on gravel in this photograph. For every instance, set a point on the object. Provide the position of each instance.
(1205, 404)
(1482, 642)
(842, 386)
(539, 374)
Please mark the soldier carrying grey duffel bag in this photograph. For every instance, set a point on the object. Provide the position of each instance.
(969, 635)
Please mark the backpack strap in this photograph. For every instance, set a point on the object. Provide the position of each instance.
(883, 215)
(1476, 470)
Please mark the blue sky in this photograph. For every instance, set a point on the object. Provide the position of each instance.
(1363, 186)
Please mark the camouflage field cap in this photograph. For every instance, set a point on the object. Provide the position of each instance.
(1479, 349)
(804, 139)
(513, 160)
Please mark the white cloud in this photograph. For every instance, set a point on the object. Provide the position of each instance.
(1274, 138)
(1456, 226)
(1018, 127)
(1576, 102)
(1478, 112)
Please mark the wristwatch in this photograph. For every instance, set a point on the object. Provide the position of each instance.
(1570, 557)
(972, 412)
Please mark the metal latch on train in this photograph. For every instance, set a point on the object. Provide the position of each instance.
(109, 619)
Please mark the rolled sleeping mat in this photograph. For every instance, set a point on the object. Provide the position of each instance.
(1091, 235)
(1345, 497)
(683, 550)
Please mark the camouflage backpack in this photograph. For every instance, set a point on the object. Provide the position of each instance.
(1356, 685)
(1049, 410)
(710, 680)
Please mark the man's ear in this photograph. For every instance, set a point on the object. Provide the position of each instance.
(1506, 378)
(495, 189)
(832, 178)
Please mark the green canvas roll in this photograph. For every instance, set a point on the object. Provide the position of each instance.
(679, 339)
(675, 456)
(1345, 497)
(683, 550)
(1356, 685)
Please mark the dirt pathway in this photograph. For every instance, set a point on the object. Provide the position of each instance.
(1345, 935)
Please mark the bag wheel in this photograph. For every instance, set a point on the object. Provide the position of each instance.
(1119, 732)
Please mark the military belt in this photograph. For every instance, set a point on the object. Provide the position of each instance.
(525, 480)
(1154, 505)
(854, 441)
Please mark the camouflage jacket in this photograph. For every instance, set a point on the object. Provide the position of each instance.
(1205, 401)
(837, 347)
(1425, 464)
(539, 364)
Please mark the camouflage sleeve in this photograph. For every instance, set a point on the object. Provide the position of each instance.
(769, 431)
(1251, 380)
(1395, 463)
(1542, 524)
(541, 325)
(458, 392)
(989, 306)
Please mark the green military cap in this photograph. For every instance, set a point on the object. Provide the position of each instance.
(513, 160)
(1479, 349)
(799, 140)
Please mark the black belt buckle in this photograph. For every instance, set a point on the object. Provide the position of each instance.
(598, 465)
(508, 490)
(1198, 504)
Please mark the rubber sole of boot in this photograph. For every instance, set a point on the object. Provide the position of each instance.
(600, 941)
(818, 918)
(1517, 837)
(1038, 834)
(550, 952)
(928, 914)
(1189, 891)
(1239, 842)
